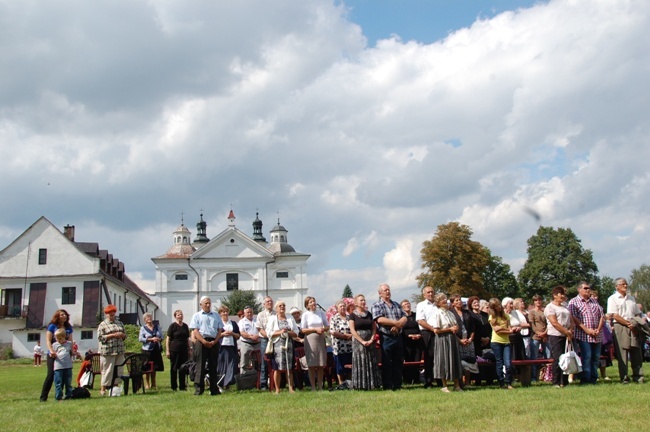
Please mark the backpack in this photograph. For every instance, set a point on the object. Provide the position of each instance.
(80, 393)
(189, 368)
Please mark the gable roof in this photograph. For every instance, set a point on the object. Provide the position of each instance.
(253, 248)
(108, 266)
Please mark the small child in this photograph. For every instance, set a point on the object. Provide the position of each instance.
(62, 365)
(38, 353)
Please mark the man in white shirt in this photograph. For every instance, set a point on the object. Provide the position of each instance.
(424, 312)
(262, 319)
(627, 341)
(249, 340)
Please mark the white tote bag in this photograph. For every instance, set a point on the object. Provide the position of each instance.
(87, 379)
(569, 361)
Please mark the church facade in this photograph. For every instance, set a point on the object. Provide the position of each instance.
(230, 261)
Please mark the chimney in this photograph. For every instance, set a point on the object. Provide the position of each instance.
(68, 231)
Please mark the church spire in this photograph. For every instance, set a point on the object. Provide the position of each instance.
(257, 229)
(201, 233)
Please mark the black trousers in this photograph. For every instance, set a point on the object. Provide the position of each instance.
(558, 345)
(202, 356)
(176, 359)
(392, 361)
(49, 379)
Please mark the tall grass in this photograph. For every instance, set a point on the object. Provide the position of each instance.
(612, 407)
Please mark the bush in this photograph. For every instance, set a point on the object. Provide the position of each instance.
(6, 352)
(132, 344)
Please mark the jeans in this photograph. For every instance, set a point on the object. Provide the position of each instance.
(534, 353)
(503, 355)
(590, 357)
(62, 378)
(264, 374)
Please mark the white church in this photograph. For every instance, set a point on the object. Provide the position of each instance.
(230, 261)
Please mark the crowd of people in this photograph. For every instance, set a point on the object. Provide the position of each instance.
(440, 344)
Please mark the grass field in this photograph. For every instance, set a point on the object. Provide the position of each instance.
(607, 406)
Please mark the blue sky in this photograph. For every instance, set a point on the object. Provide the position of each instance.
(425, 21)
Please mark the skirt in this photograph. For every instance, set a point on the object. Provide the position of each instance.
(155, 356)
(446, 360)
(283, 355)
(315, 350)
(365, 372)
(227, 365)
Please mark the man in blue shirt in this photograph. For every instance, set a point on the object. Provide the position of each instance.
(206, 328)
(390, 320)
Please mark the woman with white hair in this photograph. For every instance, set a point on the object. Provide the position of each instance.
(282, 329)
(151, 336)
(516, 340)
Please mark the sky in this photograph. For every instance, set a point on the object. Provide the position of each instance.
(361, 125)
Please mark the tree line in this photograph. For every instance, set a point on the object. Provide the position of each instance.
(454, 263)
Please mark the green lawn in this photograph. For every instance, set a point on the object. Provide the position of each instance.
(611, 407)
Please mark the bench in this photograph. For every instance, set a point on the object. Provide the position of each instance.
(525, 369)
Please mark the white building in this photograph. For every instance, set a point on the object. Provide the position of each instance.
(230, 261)
(44, 270)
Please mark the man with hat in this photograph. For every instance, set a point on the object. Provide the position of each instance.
(111, 335)
(206, 328)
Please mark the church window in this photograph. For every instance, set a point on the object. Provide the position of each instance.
(232, 281)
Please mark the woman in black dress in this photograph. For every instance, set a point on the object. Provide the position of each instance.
(482, 328)
(465, 335)
(177, 346)
(365, 372)
(412, 344)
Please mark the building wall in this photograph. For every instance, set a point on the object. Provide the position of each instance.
(23, 347)
(63, 257)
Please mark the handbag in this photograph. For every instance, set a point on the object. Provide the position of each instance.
(269, 348)
(569, 361)
(87, 379)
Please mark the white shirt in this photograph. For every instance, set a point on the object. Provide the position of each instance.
(247, 326)
(311, 319)
(443, 319)
(624, 306)
(227, 340)
(425, 310)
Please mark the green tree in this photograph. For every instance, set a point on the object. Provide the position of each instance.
(555, 257)
(640, 285)
(454, 263)
(347, 292)
(498, 279)
(237, 300)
